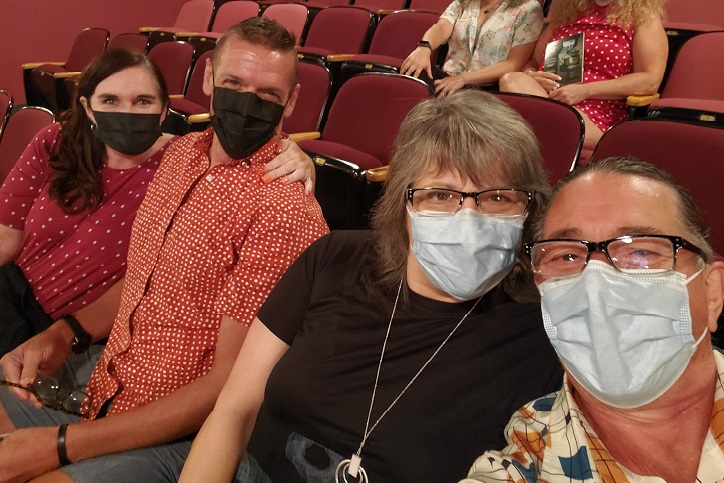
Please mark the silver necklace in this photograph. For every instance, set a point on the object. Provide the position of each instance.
(352, 466)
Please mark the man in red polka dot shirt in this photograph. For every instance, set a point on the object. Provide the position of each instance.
(210, 241)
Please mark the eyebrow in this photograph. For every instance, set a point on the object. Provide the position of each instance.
(575, 233)
(140, 96)
(272, 91)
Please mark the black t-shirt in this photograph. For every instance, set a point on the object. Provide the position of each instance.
(498, 360)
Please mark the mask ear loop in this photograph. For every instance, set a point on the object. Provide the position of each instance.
(701, 338)
(686, 282)
(703, 334)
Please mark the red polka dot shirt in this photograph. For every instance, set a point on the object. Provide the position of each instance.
(207, 242)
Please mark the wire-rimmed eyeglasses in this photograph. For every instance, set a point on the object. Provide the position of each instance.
(49, 392)
(629, 254)
(444, 201)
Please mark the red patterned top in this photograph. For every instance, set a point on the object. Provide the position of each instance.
(207, 242)
(71, 260)
(607, 55)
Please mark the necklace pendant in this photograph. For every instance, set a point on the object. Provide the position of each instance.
(352, 468)
(354, 465)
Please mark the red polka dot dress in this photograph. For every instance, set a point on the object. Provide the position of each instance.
(607, 55)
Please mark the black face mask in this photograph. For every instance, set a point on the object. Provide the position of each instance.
(127, 132)
(243, 121)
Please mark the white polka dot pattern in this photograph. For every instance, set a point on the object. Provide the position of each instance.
(607, 55)
(206, 242)
(71, 260)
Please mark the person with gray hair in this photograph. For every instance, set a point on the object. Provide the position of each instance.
(630, 292)
(397, 353)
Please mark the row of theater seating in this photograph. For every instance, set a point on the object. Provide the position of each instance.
(363, 117)
(341, 30)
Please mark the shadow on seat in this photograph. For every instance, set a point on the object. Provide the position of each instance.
(45, 81)
(558, 127)
(358, 135)
(21, 128)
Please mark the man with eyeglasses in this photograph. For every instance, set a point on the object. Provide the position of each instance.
(630, 291)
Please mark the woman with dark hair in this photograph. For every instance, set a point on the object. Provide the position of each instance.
(486, 39)
(405, 348)
(67, 207)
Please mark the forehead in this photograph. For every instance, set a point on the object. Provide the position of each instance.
(257, 65)
(434, 176)
(131, 82)
(600, 206)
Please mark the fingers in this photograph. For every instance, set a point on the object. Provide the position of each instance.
(548, 84)
(12, 365)
(546, 75)
(447, 86)
(31, 363)
(428, 69)
(291, 165)
(286, 162)
(309, 187)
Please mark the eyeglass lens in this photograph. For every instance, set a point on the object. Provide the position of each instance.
(560, 258)
(49, 392)
(492, 202)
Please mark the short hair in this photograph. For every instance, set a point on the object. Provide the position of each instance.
(689, 214)
(259, 31)
(471, 133)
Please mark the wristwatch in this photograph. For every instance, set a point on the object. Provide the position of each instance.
(81, 339)
(424, 43)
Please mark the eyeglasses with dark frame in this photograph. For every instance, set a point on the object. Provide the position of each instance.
(632, 254)
(47, 390)
(444, 201)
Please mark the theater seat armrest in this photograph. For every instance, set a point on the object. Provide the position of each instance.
(176, 96)
(34, 65)
(640, 101)
(186, 34)
(377, 175)
(384, 11)
(64, 75)
(144, 30)
(339, 57)
(304, 136)
(199, 118)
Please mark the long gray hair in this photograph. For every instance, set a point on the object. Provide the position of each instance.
(472, 134)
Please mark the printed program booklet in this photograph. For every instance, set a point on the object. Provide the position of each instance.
(565, 58)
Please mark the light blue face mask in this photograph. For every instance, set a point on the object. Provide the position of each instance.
(468, 253)
(625, 338)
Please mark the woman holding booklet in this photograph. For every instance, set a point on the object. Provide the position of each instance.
(624, 53)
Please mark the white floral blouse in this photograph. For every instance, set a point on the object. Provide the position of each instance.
(506, 28)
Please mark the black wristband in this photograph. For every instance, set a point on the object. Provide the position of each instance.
(424, 43)
(81, 338)
(62, 451)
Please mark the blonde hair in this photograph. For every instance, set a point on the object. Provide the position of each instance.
(626, 13)
(473, 134)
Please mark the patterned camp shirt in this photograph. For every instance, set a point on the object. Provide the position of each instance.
(551, 441)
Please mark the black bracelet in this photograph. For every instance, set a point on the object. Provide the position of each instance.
(62, 451)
